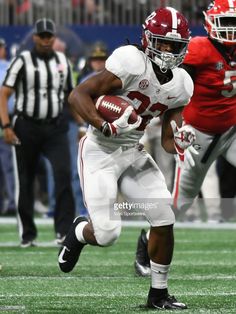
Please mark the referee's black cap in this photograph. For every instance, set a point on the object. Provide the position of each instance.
(44, 26)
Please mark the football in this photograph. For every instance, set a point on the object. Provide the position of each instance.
(112, 107)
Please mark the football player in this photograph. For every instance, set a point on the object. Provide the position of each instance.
(111, 159)
(211, 62)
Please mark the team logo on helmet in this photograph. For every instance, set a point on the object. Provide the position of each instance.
(144, 84)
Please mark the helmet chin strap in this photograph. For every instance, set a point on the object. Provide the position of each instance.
(163, 69)
(162, 64)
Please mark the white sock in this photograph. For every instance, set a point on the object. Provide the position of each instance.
(79, 231)
(159, 275)
(147, 234)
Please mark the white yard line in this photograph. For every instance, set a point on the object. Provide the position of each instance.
(130, 253)
(39, 244)
(113, 278)
(106, 294)
(138, 223)
(53, 244)
(11, 308)
(109, 263)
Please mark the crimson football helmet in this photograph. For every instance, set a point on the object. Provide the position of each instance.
(166, 25)
(220, 21)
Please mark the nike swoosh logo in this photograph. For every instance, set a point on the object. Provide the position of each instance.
(60, 257)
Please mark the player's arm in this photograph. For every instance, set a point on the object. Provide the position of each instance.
(82, 96)
(167, 135)
(177, 138)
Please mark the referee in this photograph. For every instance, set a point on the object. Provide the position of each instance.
(40, 79)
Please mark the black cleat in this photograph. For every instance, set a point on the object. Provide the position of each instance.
(71, 248)
(167, 303)
(142, 261)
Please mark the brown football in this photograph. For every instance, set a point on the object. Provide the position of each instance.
(112, 107)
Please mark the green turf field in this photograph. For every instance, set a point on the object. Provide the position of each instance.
(203, 275)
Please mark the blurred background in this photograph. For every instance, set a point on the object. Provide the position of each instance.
(100, 12)
(81, 22)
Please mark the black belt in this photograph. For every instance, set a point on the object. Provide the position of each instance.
(37, 121)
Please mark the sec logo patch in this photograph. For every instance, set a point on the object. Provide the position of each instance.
(144, 84)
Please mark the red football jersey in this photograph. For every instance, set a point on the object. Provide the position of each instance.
(212, 108)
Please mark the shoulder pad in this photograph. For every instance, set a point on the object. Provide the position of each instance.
(131, 59)
(187, 82)
(198, 51)
(184, 85)
(199, 39)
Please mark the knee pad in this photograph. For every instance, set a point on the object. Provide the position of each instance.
(161, 215)
(107, 232)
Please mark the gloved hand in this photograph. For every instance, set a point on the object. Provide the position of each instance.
(121, 125)
(185, 159)
(184, 137)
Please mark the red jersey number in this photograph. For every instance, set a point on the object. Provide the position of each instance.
(156, 109)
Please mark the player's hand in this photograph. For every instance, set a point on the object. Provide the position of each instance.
(121, 125)
(185, 159)
(183, 136)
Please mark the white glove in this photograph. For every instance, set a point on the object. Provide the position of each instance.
(184, 136)
(121, 125)
(185, 159)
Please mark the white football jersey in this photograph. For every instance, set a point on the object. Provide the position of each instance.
(139, 83)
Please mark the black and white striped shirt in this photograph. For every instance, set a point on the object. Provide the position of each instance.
(39, 83)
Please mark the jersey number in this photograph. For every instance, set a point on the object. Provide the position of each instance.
(144, 102)
(230, 79)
